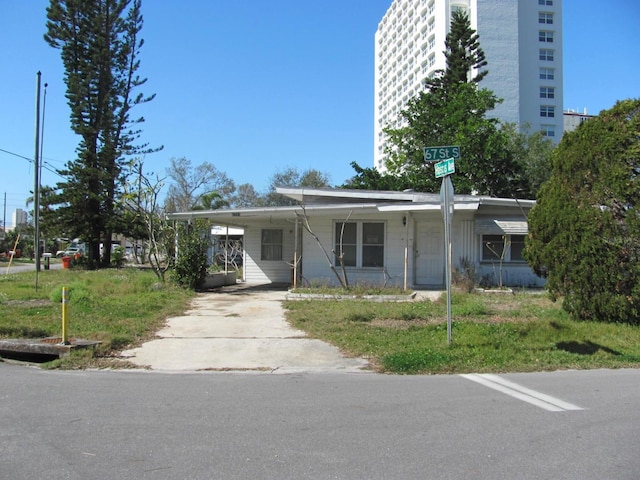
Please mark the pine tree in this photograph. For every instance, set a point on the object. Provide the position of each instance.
(463, 53)
(100, 45)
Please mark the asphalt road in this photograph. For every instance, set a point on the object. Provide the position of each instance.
(27, 267)
(149, 425)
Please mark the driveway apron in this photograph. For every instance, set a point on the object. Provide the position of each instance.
(238, 328)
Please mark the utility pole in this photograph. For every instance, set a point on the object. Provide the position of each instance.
(36, 188)
(4, 215)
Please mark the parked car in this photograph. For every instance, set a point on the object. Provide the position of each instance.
(69, 252)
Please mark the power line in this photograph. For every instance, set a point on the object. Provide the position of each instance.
(50, 168)
(30, 160)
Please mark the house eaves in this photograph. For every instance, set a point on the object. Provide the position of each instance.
(243, 217)
(309, 196)
(506, 202)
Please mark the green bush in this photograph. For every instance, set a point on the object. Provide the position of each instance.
(190, 269)
(584, 231)
(117, 257)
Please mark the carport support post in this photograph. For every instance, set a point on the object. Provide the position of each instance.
(226, 251)
(405, 222)
(295, 255)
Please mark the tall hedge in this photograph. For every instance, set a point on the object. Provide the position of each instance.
(584, 232)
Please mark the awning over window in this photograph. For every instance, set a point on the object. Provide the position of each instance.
(492, 226)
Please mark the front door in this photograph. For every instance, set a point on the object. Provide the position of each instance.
(429, 255)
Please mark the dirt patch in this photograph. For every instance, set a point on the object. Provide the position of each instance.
(396, 324)
(30, 303)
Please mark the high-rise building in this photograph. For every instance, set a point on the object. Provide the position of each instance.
(522, 42)
(19, 217)
(573, 119)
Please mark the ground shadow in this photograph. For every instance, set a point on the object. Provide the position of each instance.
(247, 289)
(584, 348)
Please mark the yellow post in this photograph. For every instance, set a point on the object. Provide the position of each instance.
(13, 252)
(65, 320)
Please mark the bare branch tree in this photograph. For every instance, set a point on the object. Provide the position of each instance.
(344, 281)
(144, 205)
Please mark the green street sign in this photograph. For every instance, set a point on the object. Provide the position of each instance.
(437, 154)
(444, 168)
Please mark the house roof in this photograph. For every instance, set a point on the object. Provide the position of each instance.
(343, 201)
(342, 195)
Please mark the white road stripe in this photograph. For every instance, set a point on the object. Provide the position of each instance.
(525, 394)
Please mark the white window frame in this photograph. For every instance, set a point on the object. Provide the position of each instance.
(547, 92)
(361, 244)
(545, 18)
(546, 54)
(492, 254)
(547, 73)
(545, 36)
(269, 251)
(547, 111)
(548, 130)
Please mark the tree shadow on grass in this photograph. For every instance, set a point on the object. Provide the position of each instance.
(585, 348)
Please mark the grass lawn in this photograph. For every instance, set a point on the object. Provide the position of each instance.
(120, 308)
(491, 333)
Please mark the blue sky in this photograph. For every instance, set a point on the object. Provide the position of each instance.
(256, 86)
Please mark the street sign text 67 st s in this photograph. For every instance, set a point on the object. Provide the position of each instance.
(436, 154)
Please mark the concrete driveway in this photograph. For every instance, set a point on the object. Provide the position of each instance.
(238, 328)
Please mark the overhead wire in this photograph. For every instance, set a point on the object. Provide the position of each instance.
(50, 168)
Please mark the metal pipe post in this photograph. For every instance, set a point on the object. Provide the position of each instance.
(65, 316)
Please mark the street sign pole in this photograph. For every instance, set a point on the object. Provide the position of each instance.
(445, 157)
(446, 195)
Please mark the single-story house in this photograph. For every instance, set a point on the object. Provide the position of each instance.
(392, 238)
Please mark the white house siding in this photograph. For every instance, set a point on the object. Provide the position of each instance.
(465, 245)
(316, 269)
(314, 265)
(273, 271)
